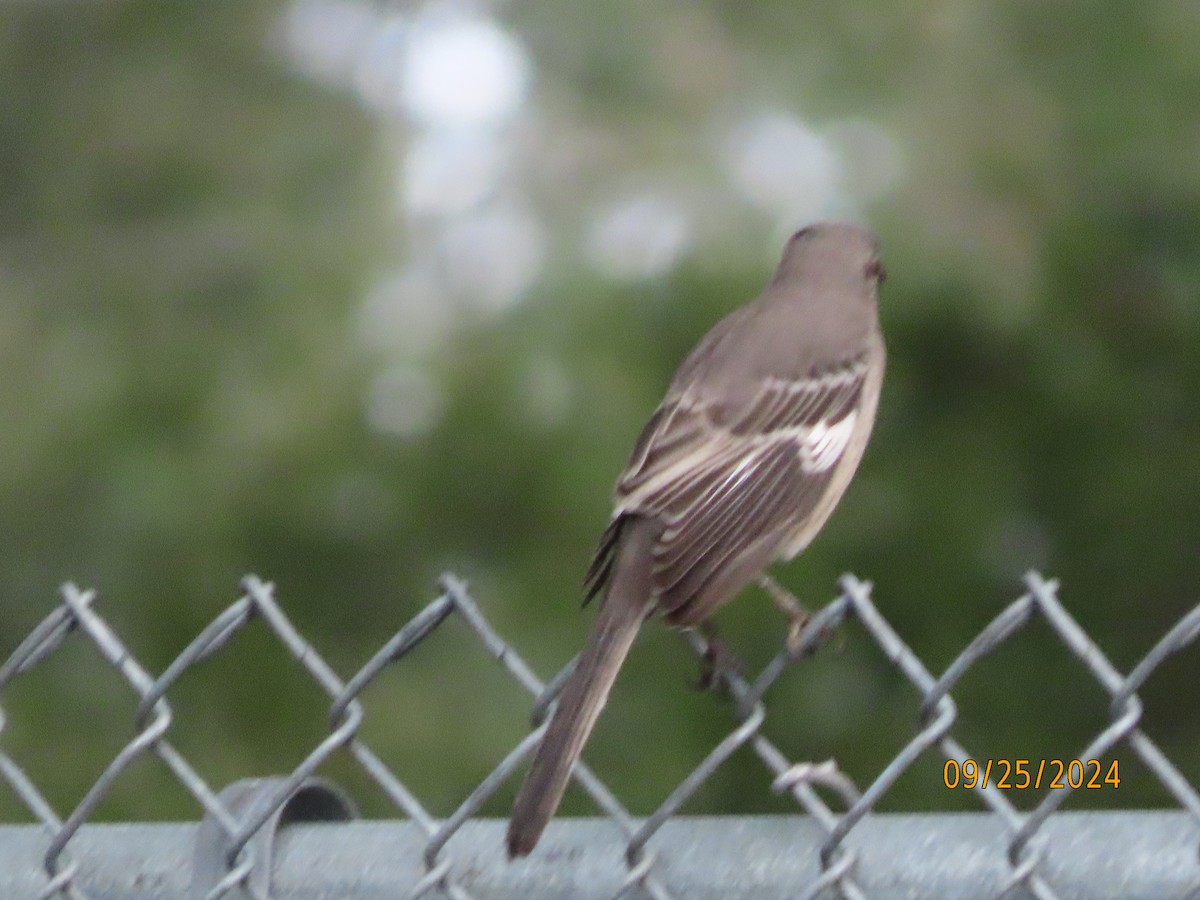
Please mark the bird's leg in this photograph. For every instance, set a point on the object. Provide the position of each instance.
(796, 614)
(716, 659)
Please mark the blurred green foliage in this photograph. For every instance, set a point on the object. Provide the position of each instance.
(188, 227)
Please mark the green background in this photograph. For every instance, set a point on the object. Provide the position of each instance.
(192, 224)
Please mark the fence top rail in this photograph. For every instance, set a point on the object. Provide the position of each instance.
(934, 855)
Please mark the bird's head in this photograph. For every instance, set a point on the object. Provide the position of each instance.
(835, 254)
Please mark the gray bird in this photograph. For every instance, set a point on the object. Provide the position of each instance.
(757, 438)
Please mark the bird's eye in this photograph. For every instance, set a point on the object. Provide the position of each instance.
(876, 271)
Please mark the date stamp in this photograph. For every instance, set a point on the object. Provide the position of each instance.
(1022, 774)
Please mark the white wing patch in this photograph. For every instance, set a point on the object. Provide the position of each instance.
(823, 445)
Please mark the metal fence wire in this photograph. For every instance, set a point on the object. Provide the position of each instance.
(299, 836)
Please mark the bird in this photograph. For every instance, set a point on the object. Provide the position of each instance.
(758, 436)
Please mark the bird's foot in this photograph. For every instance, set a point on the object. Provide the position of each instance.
(795, 612)
(716, 661)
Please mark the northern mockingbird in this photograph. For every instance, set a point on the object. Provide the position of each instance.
(740, 466)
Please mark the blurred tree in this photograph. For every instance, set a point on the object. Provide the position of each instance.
(185, 227)
(222, 350)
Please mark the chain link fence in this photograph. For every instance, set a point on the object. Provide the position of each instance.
(277, 837)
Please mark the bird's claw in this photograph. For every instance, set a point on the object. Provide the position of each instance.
(716, 661)
(796, 614)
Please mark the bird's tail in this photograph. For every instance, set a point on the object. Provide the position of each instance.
(628, 601)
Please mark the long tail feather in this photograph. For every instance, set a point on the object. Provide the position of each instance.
(628, 601)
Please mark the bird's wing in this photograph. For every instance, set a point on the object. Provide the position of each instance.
(721, 479)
